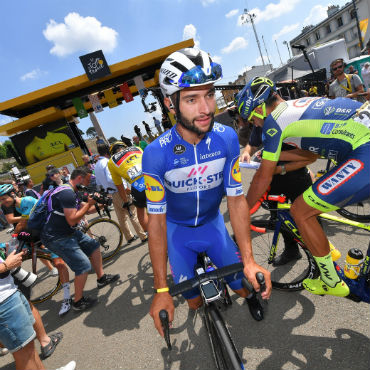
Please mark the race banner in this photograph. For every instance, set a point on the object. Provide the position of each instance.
(95, 65)
(126, 92)
(139, 84)
(111, 98)
(95, 103)
(80, 109)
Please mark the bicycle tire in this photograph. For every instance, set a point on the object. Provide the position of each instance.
(359, 212)
(285, 277)
(46, 285)
(223, 348)
(109, 235)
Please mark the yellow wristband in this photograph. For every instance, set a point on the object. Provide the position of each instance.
(162, 290)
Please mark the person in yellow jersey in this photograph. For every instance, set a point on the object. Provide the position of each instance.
(125, 162)
(42, 148)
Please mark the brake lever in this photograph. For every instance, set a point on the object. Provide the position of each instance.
(163, 316)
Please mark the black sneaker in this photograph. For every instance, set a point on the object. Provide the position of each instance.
(107, 279)
(135, 237)
(255, 307)
(288, 255)
(84, 303)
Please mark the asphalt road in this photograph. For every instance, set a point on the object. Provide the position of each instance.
(300, 331)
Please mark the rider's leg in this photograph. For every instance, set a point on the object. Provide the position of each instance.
(195, 303)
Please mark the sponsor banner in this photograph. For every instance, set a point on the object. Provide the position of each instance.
(156, 208)
(139, 82)
(80, 109)
(111, 98)
(199, 177)
(95, 103)
(234, 192)
(153, 189)
(126, 92)
(340, 176)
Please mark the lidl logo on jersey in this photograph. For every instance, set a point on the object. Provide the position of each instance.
(153, 189)
(340, 176)
(235, 172)
(271, 132)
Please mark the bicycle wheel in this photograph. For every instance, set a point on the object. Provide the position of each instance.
(290, 275)
(109, 235)
(357, 212)
(223, 349)
(46, 284)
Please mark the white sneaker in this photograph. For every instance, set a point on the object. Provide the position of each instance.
(54, 272)
(10, 230)
(70, 366)
(66, 306)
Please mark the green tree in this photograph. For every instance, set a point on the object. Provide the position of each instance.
(2, 152)
(8, 143)
(91, 132)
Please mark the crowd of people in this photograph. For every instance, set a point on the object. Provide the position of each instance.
(171, 191)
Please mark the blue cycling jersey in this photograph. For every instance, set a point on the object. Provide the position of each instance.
(187, 182)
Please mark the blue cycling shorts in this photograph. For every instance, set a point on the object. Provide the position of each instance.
(347, 183)
(184, 243)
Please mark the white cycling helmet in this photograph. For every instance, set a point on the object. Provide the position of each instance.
(187, 67)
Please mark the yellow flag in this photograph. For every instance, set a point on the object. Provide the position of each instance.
(111, 98)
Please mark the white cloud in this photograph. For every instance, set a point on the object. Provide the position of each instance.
(79, 33)
(231, 13)
(190, 32)
(317, 14)
(33, 75)
(285, 30)
(236, 44)
(216, 59)
(272, 10)
(207, 2)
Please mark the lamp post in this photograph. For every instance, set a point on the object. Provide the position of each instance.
(248, 17)
(358, 25)
(287, 45)
(278, 52)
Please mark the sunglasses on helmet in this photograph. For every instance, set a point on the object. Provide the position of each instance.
(196, 76)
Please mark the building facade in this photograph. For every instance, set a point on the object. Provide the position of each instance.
(340, 24)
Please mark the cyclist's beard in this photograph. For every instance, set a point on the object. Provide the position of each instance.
(189, 125)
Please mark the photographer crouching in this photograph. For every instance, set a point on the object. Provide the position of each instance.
(72, 245)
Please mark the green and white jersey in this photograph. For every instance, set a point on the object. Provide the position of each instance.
(328, 127)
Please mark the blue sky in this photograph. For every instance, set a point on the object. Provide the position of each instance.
(41, 40)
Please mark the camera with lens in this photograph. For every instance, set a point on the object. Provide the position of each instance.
(102, 198)
(23, 277)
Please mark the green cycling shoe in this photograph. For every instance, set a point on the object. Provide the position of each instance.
(317, 286)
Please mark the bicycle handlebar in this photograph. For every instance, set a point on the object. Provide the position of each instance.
(163, 316)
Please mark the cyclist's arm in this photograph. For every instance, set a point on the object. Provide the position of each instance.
(122, 192)
(12, 219)
(240, 221)
(261, 181)
(248, 151)
(74, 215)
(356, 80)
(157, 229)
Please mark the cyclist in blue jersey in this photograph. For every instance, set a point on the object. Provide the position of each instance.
(337, 129)
(187, 171)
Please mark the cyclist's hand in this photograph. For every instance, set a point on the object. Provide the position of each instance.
(250, 271)
(14, 260)
(162, 301)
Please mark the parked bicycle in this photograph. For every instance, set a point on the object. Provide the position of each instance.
(215, 296)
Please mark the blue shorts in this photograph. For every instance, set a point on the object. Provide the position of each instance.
(74, 250)
(184, 243)
(16, 322)
(345, 184)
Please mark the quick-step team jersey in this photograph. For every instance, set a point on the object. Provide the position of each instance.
(327, 127)
(127, 164)
(188, 181)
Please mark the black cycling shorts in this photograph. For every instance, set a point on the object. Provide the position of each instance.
(138, 197)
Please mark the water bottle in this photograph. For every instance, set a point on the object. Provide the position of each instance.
(353, 263)
(13, 244)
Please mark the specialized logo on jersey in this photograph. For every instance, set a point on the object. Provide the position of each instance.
(235, 172)
(179, 149)
(340, 176)
(153, 189)
(196, 177)
(271, 132)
